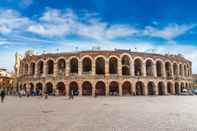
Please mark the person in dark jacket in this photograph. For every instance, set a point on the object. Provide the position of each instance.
(2, 95)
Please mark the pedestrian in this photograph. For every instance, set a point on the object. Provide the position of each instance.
(46, 95)
(2, 95)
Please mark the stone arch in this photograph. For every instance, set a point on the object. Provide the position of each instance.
(170, 88)
(39, 88)
(86, 64)
(74, 65)
(177, 89)
(61, 65)
(126, 65)
(32, 68)
(159, 68)
(126, 88)
(100, 65)
(185, 70)
(151, 88)
(161, 88)
(61, 88)
(175, 69)
(86, 88)
(149, 67)
(50, 67)
(114, 88)
(74, 88)
(113, 65)
(49, 88)
(100, 88)
(139, 88)
(181, 70)
(168, 69)
(40, 67)
(138, 65)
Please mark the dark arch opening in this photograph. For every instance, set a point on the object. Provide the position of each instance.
(39, 88)
(100, 88)
(73, 88)
(125, 65)
(113, 65)
(177, 90)
(49, 88)
(168, 69)
(126, 88)
(161, 88)
(50, 67)
(40, 67)
(87, 65)
(86, 88)
(100, 66)
(159, 67)
(138, 67)
(139, 88)
(114, 88)
(32, 68)
(74, 65)
(175, 69)
(61, 66)
(61, 88)
(149, 68)
(151, 88)
(170, 88)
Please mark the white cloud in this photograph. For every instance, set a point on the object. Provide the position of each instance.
(169, 32)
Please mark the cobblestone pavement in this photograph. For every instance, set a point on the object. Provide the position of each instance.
(157, 113)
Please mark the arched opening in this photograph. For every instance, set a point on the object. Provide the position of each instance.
(180, 70)
(39, 88)
(49, 88)
(139, 88)
(138, 67)
(74, 65)
(73, 88)
(125, 65)
(31, 88)
(185, 70)
(61, 66)
(87, 65)
(177, 90)
(100, 66)
(50, 67)
(182, 87)
(151, 88)
(175, 69)
(61, 88)
(32, 68)
(159, 67)
(40, 67)
(168, 69)
(126, 88)
(86, 88)
(100, 88)
(161, 88)
(26, 69)
(170, 88)
(149, 68)
(114, 88)
(113, 65)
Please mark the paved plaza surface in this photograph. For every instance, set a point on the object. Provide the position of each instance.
(157, 113)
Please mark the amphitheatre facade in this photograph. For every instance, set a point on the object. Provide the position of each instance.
(104, 73)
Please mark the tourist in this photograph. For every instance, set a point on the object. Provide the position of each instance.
(2, 95)
(46, 95)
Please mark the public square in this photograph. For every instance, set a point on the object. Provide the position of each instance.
(143, 113)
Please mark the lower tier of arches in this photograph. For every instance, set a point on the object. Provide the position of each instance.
(106, 88)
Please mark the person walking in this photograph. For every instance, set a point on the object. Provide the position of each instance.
(2, 95)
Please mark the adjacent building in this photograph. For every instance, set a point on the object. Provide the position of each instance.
(194, 76)
(6, 80)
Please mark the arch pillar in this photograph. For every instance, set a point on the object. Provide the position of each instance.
(120, 89)
(132, 67)
(144, 69)
(107, 88)
(67, 68)
(80, 68)
(44, 69)
(145, 89)
(119, 67)
(154, 70)
(55, 69)
(93, 68)
(80, 88)
(166, 88)
(107, 67)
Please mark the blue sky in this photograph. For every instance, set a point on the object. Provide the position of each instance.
(159, 26)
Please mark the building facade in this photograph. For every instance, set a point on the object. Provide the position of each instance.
(194, 76)
(118, 72)
(6, 80)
